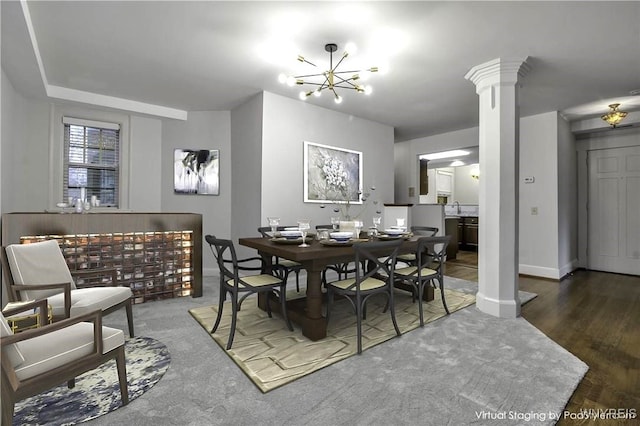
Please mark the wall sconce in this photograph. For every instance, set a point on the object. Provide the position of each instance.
(475, 174)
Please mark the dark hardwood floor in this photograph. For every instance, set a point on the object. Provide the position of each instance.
(596, 317)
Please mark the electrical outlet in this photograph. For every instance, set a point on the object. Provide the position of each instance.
(534, 211)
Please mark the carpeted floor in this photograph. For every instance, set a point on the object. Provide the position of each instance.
(97, 392)
(466, 368)
(271, 356)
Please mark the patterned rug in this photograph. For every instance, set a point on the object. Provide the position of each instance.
(272, 356)
(97, 391)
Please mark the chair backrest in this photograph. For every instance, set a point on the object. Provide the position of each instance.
(369, 254)
(330, 227)
(431, 252)
(264, 229)
(221, 247)
(38, 263)
(427, 231)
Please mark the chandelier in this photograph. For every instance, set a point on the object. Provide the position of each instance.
(614, 117)
(330, 80)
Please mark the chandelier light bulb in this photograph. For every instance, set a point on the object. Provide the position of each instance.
(282, 78)
(350, 48)
(338, 99)
(302, 95)
(317, 93)
(367, 90)
(291, 81)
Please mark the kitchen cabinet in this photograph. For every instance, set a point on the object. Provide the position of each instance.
(468, 233)
(451, 229)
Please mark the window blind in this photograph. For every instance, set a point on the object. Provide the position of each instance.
(91, 160)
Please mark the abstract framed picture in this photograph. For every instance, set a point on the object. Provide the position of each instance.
(332, 174)
(196, 171)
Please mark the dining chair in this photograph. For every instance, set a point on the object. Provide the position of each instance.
(290, 265)
(378, 278)
(430, 254)
(341, 269)
(233, 283)
(39, 359)
(425, 231)
(39, 271)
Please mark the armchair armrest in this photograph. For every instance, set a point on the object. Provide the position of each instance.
(90, 273)
(66, 288)
(32, 304)
(95, 317)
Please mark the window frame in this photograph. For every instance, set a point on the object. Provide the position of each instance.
(57, 151)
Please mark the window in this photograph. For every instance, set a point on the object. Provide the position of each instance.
(91, 161)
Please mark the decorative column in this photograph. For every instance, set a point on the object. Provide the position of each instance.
(497, 87)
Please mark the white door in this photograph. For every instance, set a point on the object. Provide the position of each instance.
(614, 210)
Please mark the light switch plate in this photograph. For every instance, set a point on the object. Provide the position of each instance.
(529, 179)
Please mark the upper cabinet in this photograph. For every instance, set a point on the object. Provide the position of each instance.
(444, 182)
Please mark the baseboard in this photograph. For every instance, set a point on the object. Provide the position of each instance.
(539, 271)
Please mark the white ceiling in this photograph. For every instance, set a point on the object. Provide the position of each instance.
(210, 55)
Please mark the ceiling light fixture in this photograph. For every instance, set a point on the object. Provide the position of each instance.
(614, 117)
(330, 79)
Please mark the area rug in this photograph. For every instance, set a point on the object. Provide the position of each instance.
(97, 391)
(272, 356)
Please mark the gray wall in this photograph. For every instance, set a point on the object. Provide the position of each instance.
(202, 130)
(287, 125)
(544, 250)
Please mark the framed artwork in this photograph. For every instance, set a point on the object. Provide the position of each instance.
(332, 174)
(196, 171)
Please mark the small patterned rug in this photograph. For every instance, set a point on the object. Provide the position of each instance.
(97, 391)
(272, 356)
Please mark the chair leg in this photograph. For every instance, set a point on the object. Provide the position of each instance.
(359, 324)
(242, 300)
(420, 294)
(392, 309)
(121, 364)
(329, 303)
(71, 383)
(234, 317)
(444, 303)
(283, 304)
(222, 297)
(129, 310)
(298, 281)
(8, 403)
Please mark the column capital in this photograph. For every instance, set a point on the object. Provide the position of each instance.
(499, 70)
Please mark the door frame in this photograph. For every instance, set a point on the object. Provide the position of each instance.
(618, 138)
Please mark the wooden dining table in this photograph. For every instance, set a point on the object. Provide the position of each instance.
(307, 311)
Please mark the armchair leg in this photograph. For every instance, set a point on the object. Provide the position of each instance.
(122, 376)
(129, 310)
(8, 404)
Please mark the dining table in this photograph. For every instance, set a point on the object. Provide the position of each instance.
(307, 311)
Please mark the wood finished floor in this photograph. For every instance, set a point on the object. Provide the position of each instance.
(595, 316)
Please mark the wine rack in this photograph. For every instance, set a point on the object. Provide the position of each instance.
(155, 265)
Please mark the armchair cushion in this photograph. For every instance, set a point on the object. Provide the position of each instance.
(46, 352)
(84, 300)
(12, 351)
(38, 263)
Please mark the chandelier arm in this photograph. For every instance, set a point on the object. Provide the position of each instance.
(309, 75)
(333, 69)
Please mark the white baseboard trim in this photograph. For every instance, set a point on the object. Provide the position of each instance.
(569, 268)
(540, 271)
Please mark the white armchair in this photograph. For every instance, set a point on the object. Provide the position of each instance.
(39, 359)
(38, 271)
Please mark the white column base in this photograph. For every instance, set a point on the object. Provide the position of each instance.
(505, 308)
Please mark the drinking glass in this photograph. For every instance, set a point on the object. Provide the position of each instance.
(335, 222)
(376, 221)
(304, 225)
(273, 223)
(357, 224)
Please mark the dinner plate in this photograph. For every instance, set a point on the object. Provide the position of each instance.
(282, 240)
(393, 237)
(335, 243)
